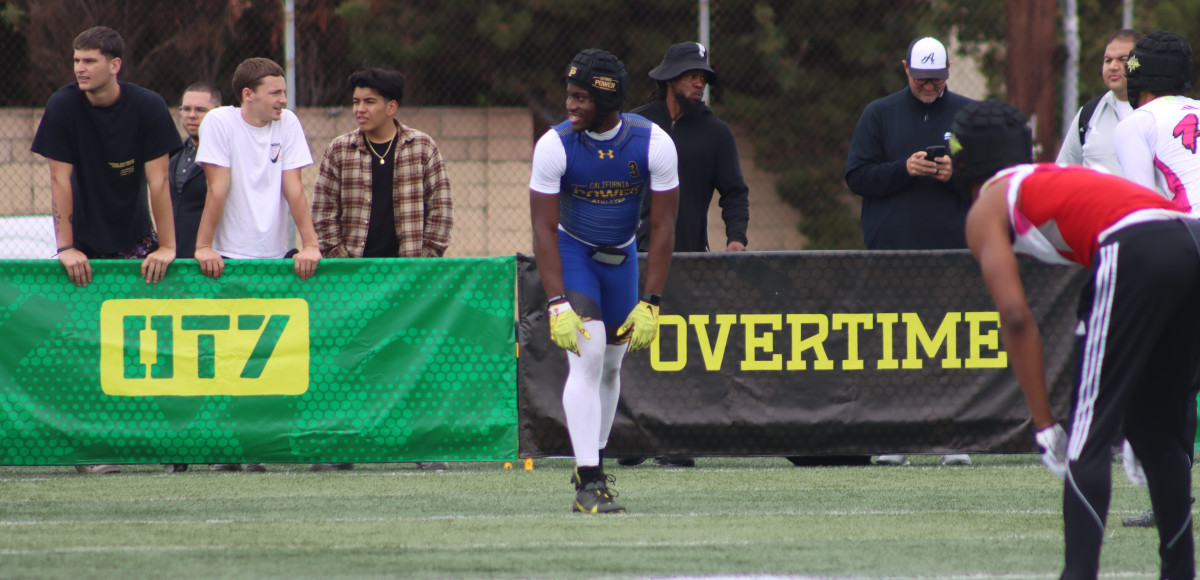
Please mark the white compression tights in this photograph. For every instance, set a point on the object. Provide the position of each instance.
(590, 396)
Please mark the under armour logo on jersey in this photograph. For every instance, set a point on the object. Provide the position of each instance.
(929, 59)
(603, 152)
(1186, 131)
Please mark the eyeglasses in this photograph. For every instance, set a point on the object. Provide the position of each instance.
(190, 110)
(929, 82)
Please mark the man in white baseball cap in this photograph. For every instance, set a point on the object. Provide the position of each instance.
(899, 165)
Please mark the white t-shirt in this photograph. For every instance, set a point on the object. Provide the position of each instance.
(550, 160)
(1157, 145)
(254, 222)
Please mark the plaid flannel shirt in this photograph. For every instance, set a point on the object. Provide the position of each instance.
(422, 208)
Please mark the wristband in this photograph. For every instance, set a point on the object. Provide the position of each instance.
(652, 299)
(65, 248)
(554, 299)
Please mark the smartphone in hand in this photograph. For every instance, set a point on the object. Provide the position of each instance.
(934, 151)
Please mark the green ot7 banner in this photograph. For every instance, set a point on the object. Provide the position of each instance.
(368, 361)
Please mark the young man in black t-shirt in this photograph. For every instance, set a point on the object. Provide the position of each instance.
(106, 142)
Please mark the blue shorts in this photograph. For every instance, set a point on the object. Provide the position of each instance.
(612, 289)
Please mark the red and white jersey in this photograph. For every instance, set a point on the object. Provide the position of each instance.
(1156, 146)
(1061, 215)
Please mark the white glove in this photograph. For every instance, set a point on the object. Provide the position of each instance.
(1053, 441)
(1132, 465)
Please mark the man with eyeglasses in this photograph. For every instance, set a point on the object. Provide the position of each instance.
(898, 163)
(188, 186)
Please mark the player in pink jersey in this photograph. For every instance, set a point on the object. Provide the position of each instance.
(1138, 350)
(1156, 144)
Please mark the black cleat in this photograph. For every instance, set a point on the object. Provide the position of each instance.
(675, 462)
(596, 497)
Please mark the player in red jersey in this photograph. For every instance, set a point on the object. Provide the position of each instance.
(1138, 350)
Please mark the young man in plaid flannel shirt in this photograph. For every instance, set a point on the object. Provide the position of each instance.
(382, 190)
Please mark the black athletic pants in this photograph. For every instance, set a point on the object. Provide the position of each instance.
(1139, 356)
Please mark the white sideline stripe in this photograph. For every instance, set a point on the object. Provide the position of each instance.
(416, 547)
(488, 517)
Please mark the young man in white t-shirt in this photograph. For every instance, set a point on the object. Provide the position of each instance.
(252, 156)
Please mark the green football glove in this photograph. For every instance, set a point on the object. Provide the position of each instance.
(641, 326)
(566, 326)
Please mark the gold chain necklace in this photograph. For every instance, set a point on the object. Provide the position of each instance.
(382, 159)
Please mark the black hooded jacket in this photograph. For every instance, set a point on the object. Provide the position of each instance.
(708, 160)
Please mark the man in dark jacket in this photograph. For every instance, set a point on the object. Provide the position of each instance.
(708, 157)
(188, 186)
(708, 160)
(899, 164)
(908, 202)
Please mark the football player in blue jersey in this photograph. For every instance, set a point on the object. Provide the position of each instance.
(589, 175)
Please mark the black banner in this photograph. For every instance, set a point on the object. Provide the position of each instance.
(797, 353)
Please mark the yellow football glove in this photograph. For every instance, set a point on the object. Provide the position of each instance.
(641, 326)
(566, 326)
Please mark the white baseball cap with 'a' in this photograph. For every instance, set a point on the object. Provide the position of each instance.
(927, 59)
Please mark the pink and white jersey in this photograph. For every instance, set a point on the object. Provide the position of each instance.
(1061, 215)
(1156, 146)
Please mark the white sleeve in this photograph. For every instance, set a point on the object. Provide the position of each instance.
(549, 164)
(1071, 152)
(214, 140)
(664, 160)
(1135, 141)
(296, 153)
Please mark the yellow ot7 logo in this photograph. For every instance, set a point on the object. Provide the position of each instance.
(195, 347)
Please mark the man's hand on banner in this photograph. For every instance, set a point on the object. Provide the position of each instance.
(566, 326)
(1053, 441)
(640, 327)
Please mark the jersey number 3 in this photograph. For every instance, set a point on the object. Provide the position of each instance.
(633, 170)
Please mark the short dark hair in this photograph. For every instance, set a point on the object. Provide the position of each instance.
(1125, 33)
(251, 72)
(205, 87)
(388, 83)
(101, 38)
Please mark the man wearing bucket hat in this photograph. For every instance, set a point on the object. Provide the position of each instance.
(898, 164)
(708, 156)
(708, 160)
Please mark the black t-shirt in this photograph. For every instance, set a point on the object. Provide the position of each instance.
(108, 148)
(381, 230)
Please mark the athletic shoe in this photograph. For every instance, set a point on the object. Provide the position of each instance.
(596, 497)
(894, 459)
(255, 467)
(175, 467)
(225, 467)
(433, 465)
(331, 467)
(98, 469)
(956, 459)
(674, 462)
(828, 460)
(631, 461)
(1146, 520)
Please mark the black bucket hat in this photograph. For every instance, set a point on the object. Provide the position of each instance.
(681, 58)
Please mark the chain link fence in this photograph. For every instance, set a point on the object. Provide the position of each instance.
(485, 80)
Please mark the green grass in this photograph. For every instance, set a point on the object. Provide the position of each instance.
(746, 517)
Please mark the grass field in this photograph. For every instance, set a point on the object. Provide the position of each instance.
(728, 517)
